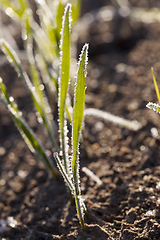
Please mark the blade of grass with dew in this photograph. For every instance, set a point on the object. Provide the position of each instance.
(43, 117)
(28, 135)
(63, 83)
(48, 74)
(79, 102)
(64, 173)
(133, 125)
(156, 86)
(36, 78)
(48, 25)
(59, 15)
(51, 82)
(154, 106)
(27, 32)
(27, 36)
(43, 42)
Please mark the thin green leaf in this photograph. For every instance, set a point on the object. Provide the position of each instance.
(43, 43)
(156, 86)
(79, 102)
(48, 25)
(154, 106)
(64, 173)
(59, 15)
(14, 10)
(27, 33)
(76, 6)
(28, 135)
(64, 81)
(43, 117)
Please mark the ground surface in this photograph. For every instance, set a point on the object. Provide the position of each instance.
(127, 205)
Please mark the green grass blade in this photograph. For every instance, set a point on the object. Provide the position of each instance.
(156, 86)
(36, 100)
(64, 173)
(43, 42)
(154, 106)
(48, 25)
(28, 135)
(64, 81)
(79, 102)
(76, 6)
(59, 15)
(17, 10)
(27, 33)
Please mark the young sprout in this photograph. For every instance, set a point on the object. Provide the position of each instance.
(68, 165)
(155, 106)
(72, 177)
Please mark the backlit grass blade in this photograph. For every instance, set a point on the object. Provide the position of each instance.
(64, 173)
(13, 58)
(154, 106)
(27, 32)
(156, 86)
(59, 15)
(79, 102)
(28, 135)
(15, 9)
(76, 5)
(63, 82)
(48, 25)
(43, 42)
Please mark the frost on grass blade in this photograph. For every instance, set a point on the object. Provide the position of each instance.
(28, 135)
(156, 86)
(132, 125)
(154, 106)
(66, 177)
(79, 102)
(63, 83)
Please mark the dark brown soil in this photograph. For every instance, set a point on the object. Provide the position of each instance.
(127, 205)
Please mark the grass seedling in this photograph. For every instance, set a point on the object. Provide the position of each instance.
(155, 106)
(71, 177)
(68, 165)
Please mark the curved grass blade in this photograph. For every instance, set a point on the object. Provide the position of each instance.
(79, 102)
(156, 86)
(43, 117)
(64, 82)
(154, 106)
(28, 135)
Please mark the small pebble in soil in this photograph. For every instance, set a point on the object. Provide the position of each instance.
(22, 174)
(2, 151)
(158, 186)
(150, 213)
(2, 182)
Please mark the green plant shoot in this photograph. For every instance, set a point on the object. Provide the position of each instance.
(43, 115)
(79, 102)
(64, 82)
(28, 135)
(156, 86)
(154, 106)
